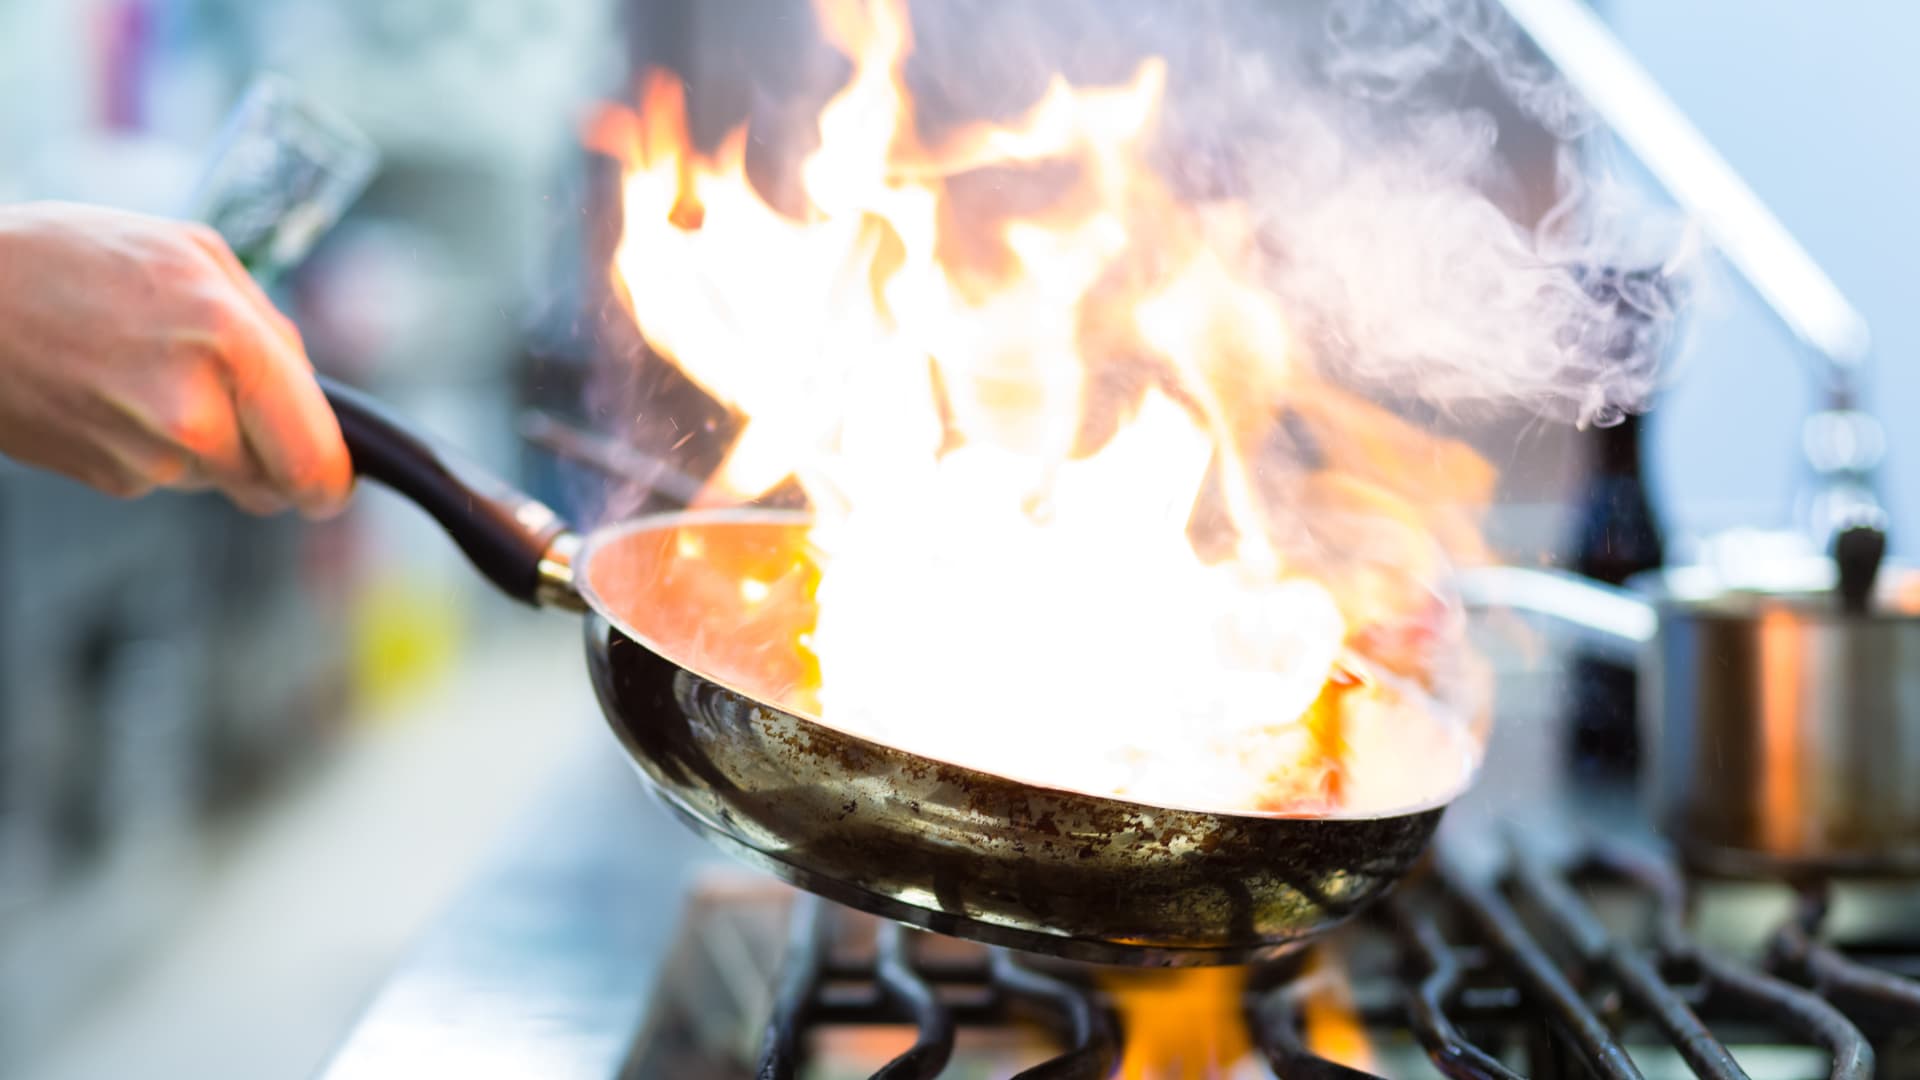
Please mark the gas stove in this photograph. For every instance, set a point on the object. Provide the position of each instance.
(1550, 935)
(1605, 962)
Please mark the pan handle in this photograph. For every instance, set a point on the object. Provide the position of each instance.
(1613, 621)
(521, 546)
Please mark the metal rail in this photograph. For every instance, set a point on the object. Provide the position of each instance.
(1793, 286)
(1842, 443)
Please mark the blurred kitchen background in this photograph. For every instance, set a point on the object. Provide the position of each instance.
(244, 763)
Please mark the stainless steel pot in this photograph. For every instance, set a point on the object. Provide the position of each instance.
(1784, 728)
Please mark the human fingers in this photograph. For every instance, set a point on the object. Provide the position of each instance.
(288, 426)
(286, 421)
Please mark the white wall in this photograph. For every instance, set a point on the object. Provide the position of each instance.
(1813, 103)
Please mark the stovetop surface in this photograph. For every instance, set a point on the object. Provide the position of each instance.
(606, 941)
(1598, 966)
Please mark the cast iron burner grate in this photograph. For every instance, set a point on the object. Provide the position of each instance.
(1563, 968)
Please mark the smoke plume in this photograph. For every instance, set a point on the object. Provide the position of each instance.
(1428, 198)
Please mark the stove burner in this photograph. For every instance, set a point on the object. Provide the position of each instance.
(989, 987)
(1591, 966)
(1883, 996)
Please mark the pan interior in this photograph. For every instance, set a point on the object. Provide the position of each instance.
(729, 596)
(726, 594)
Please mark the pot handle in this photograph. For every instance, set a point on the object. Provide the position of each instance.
(1609, 618)
(521, 546)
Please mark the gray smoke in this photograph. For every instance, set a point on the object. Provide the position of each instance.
(1435, 210)
(1426, 195)
(1431, 199)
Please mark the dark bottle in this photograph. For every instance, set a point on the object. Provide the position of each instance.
(1617, 535)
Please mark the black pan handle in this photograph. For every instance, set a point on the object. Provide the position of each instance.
(515, 540)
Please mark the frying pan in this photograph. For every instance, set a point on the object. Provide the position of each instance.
(671, 649)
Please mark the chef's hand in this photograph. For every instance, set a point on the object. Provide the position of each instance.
(137, 353)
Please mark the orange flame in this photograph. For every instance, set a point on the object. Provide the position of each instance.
(1330, 1023)
(1036, 431)
(1181, 1025)
(1192, 1025)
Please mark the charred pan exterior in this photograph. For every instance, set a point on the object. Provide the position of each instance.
(975, 855)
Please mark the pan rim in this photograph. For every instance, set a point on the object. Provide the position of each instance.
(602, 537)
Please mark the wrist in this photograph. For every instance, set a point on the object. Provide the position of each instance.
(17, 269)
(16, 223)
(17, 214)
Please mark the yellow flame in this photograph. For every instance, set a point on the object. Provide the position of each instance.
(1033, 442)
(1180, 1025)
(1192, 1025)
(1331, 1025)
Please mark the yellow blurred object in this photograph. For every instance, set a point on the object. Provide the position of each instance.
(406, 634)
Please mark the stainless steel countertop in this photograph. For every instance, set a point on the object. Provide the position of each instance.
(543, 966)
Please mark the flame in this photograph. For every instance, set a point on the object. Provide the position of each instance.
(1181, 1025)
(1033, 401)
(1192, 1025)
(1330, 1024)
